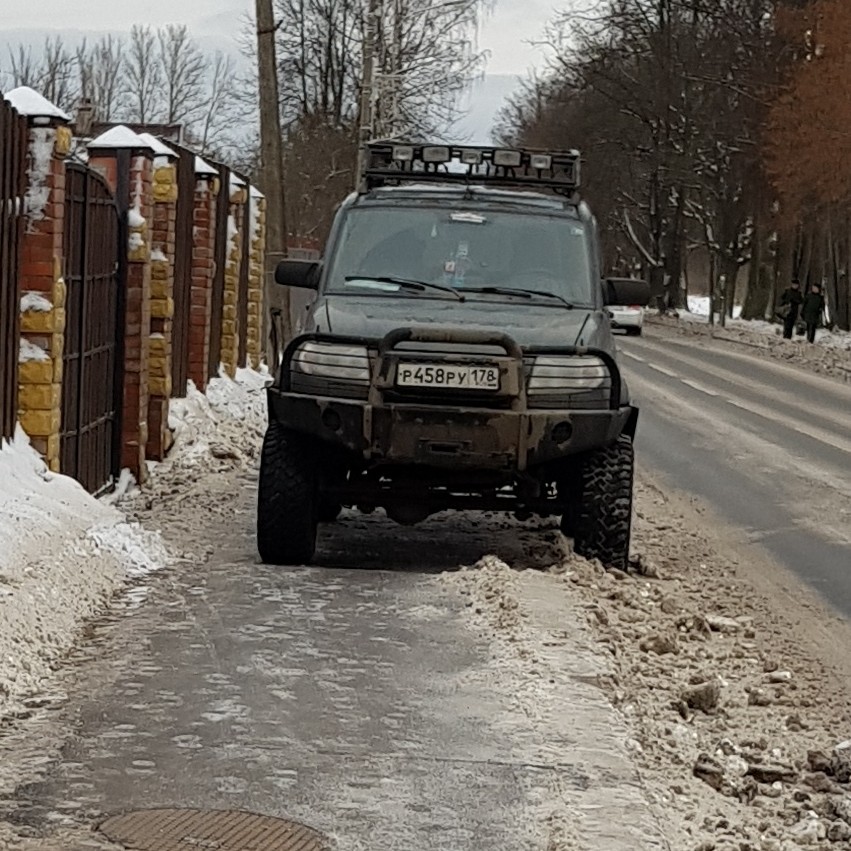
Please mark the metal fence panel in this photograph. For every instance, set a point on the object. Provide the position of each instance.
(13, 159)
(183, 242)
(91, 402)
(218, 295)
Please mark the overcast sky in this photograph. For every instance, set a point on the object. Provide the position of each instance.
(504, 34)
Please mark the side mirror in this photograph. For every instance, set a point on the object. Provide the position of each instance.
(303, 274)
(626, 291)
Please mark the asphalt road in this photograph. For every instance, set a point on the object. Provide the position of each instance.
(768, 445)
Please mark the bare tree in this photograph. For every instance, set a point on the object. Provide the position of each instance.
(52, 74)
(143, 74)
(184, 71)
(102, 76)
(213, 129)
(25, 69)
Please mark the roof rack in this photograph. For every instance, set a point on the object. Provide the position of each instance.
(392, 164)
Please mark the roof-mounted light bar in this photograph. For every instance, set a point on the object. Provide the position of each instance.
(389, 164)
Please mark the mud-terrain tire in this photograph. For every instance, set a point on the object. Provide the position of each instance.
(603, 521)
(287, 503)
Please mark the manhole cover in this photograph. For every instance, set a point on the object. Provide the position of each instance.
(208, 830)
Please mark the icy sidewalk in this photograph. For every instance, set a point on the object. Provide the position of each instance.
(64, 555)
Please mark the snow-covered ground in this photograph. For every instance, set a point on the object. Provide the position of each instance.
(64, 556)
(698, 311)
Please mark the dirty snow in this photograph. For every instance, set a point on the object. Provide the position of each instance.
(158, 256)
(63, 555)
(698, 311)
(830, 355)
(730, 689)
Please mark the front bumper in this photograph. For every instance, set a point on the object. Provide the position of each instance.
(509, 437)
(433, 436)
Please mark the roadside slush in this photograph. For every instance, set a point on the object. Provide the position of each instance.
(731, 677)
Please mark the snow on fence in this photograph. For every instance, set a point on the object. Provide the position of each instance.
(13, 147)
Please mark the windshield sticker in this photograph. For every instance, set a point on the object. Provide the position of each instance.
(469, 218)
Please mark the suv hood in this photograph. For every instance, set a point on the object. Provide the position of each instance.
(530, 323)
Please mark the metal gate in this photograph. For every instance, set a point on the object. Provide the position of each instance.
(92, 383)
(13, 156)
(218, 294)
(184, 239)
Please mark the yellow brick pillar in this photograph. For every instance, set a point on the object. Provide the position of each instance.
(42, 339)
(233, 268)
(257, 266)
(163, 248)
(40, 369)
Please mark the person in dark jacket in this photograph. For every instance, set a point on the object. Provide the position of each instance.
(790, 302)
(812, 310)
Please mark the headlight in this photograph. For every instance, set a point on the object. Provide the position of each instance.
(562, 376)
(332, 362)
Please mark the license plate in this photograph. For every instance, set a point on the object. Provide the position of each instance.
(447, 376)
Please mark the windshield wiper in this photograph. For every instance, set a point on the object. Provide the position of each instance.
(523, 293)
(406, 283)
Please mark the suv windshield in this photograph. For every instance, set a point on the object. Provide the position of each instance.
(465, 249)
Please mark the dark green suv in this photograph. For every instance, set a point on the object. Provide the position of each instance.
(457, 355)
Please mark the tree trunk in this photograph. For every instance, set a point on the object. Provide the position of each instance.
(843, 302)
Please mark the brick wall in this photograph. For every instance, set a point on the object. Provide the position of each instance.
(43, 292)
(230, 312)
(162, 305)
(203, 268)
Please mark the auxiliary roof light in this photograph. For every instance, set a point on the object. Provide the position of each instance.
(392, 163)
(403, 153)
(542, 162)
(508, 159)
(436, 154)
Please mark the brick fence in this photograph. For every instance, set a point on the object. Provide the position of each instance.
(124, 336)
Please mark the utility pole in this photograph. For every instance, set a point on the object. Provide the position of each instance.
(278, 320)
(367, 103)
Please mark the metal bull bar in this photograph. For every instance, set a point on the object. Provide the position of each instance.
(387, 351)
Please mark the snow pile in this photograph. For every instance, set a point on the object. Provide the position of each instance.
(28, 351)
(63, 555)
(35, 302)
(217, 440)
(698, 312)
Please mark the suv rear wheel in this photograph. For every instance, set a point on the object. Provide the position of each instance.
(287, 504)
(603, 519)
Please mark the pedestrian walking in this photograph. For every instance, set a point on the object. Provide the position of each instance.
(812, 311)
(790, 303)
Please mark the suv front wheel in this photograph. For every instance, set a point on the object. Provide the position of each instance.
(602, 521)
(287, 504)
